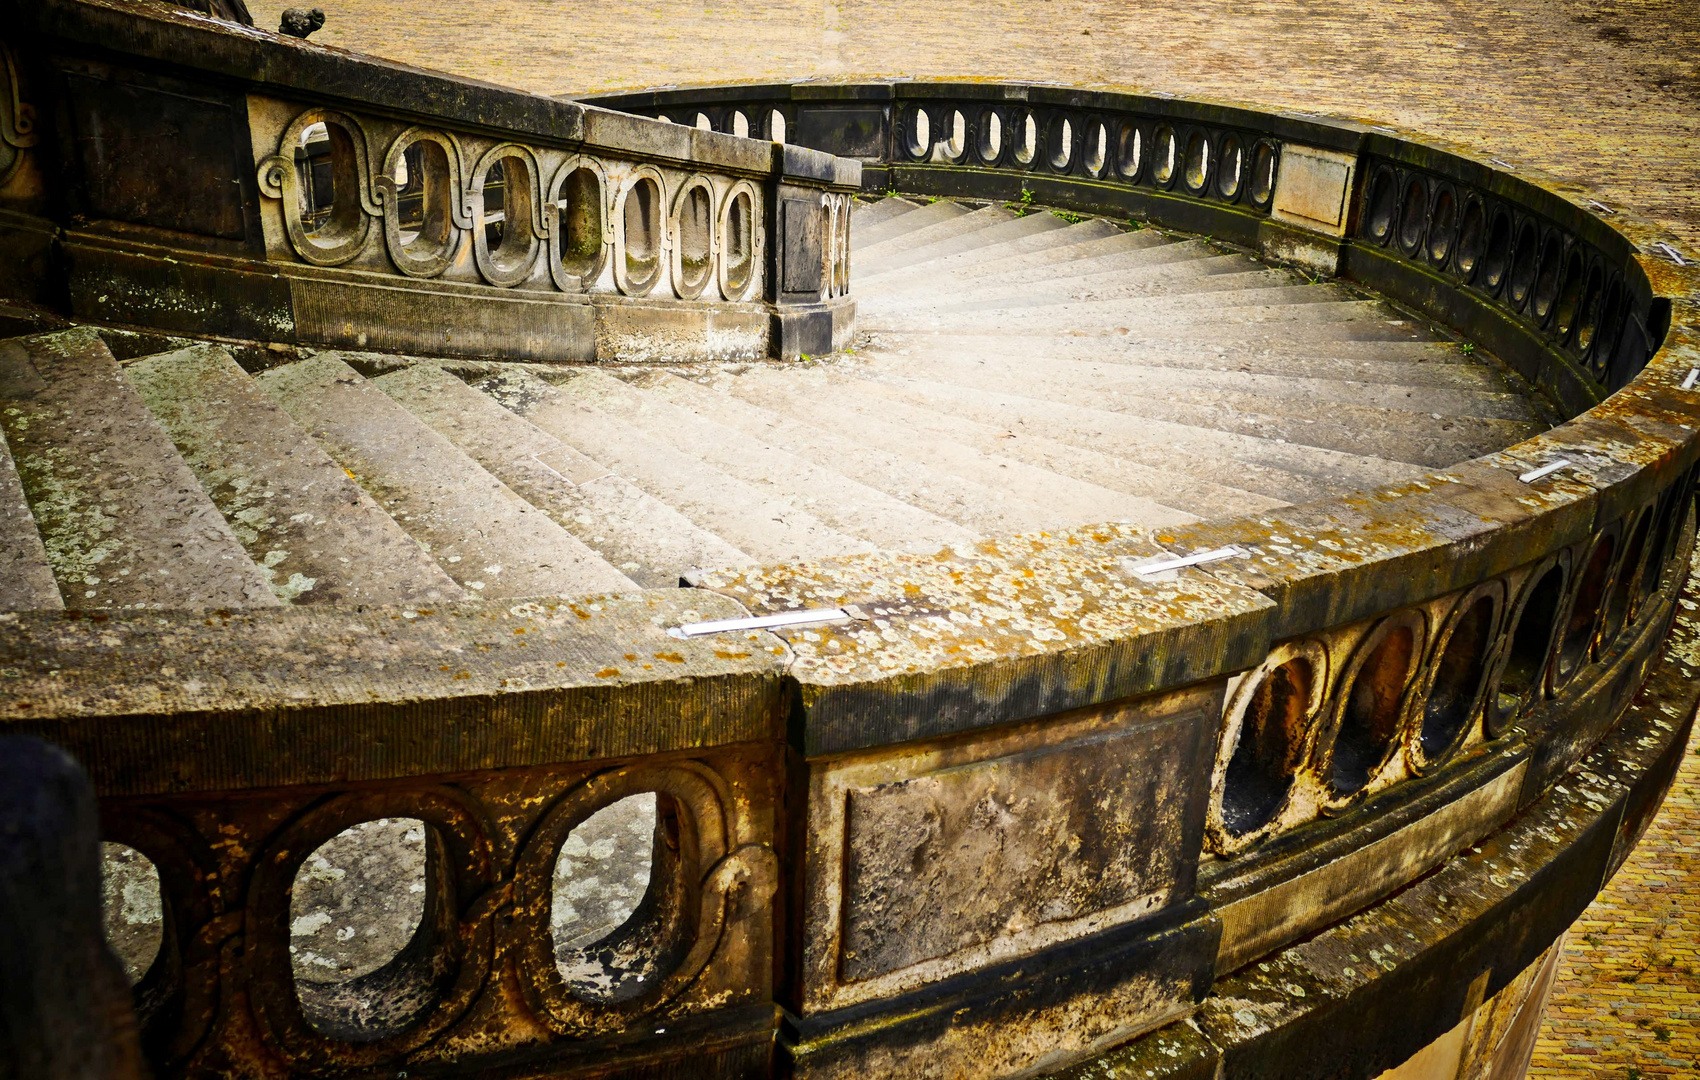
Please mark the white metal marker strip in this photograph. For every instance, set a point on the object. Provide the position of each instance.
(763, 622)
(1693, 374)
(1545, 470)
(1213, 555)
(1674, 255)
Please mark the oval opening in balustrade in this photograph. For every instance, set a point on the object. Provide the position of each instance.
(507, 214)
(1263, 174)
(330, 182)
(1569, 301)
(1441, 225)
(1269, 748)
(1372, 707)
(1530, 648)
(703, 123)
(989, 139)
(362, 934)
(695, 240)
(957, 144)
(1472, 239)
(1496, 257)
(1588, 308)
(1381, 206)
(918, 133)
(1028, 147)
(582, 227)
(618, 916)
(640, 216)
(1548, 276)
(664, 118)
(133, 908)
(1229, 168)
(1525, 261)
(737, 246)
(1625, 593)
(1060, 144)
(1611, 326)
(1585, 608)
(423, 199)
(1197, 162)
(1131, 156)
(1459, 676)
(1164, 154)
(776, 126)
(740, 124)
(1097, 148)
(1413, 215)
(1670, 509)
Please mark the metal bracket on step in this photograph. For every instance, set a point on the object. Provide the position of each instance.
(1545, 471)
(1232, 551)
(809, 616)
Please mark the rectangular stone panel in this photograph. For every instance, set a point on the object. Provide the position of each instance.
(805, 263)
(158, 158)
(960, 856)
(1312, 188)
(849, 132)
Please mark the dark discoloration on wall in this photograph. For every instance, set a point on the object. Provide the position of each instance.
(959, 856)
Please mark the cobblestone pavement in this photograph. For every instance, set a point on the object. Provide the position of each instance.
(1604, 93)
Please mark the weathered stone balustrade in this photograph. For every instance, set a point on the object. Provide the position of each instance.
(258, 187)
(1023, 806)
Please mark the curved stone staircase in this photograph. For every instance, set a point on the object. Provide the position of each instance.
(1020, 370)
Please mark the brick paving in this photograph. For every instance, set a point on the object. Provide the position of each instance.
(1607, 94)
(1626, 1003)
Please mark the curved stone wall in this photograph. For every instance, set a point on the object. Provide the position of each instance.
(1319, 792)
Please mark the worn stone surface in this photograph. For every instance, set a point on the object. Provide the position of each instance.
(468, 686)
(125, 522)
(1002, 630)
(26, 578)
(484, 536)
(313, 531)
(956, 857)
(648, 540)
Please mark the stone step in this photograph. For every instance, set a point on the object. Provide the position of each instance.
(999, 236)
(976, 507)
(122, 518)
(312, 530)
(847, 505)
(1289, 385)
(1283, 471)
(968, 224)
(769, 529)
(1002, 253)
(1424, 437)
(648, 541)
(1055, 499)
(1398, 364)
(26, 577)
(1312, 324)
(1085, 257)
(1223, 273)
(1126, 253)
(990, 493)
(481, 533)
(1267, 297)
(919, 218)
(1173, 490)
(865, 215)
